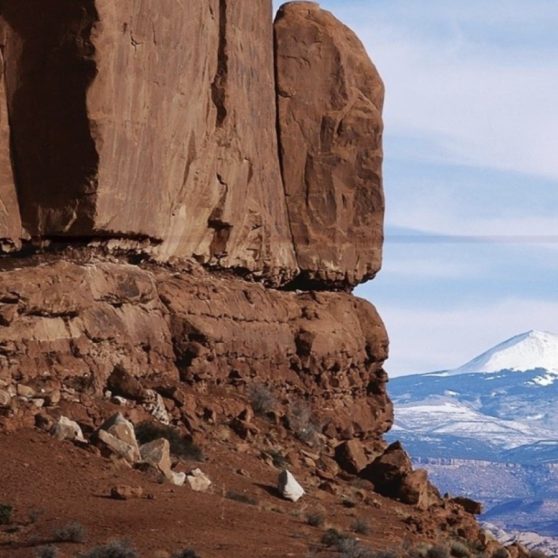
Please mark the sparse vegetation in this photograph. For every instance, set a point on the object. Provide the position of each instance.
(501, 553)
(348, 503)
(114, 549)
(278, 459)
(243, 498)
(315, 519)
(438, 552)
(302, 423)
(186, 553)
(6, 514)
(350, 548)
(180, 446)
(332, 537)
(360, 527)
(459, 550)
(72, 532)
(385, 554)
(537, 554)
(419, 551)
(262, 399)
(47, 552)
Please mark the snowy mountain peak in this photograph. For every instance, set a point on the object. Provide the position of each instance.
(527, 351)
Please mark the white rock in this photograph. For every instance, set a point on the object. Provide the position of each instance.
(67, 429)
(177, 479)
(119, 447)
(155, 405)
(289, 487)
(198, 481)
(119, 435)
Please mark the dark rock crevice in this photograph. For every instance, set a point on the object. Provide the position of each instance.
(50, 63)
(219, 85)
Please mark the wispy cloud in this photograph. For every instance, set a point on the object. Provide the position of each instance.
(483, 95)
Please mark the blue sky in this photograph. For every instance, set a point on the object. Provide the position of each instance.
(471, 152)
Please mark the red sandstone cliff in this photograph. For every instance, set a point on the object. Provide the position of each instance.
(185, 189)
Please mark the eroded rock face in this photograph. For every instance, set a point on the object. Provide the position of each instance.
(71, 320)
(158, 125)
(10, 222)
(150, 121)
(325, 350)
(330, 100)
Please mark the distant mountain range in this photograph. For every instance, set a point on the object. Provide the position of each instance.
(489, 430)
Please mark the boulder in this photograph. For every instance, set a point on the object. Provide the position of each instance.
(67, 429)
(393, 476)
(123, 429)
(387, 470)
(5, 399)
(418, 491)
(119, 447)
(157, 454)
(198, 481)
(122, 383)
(469, 505)
(25, 391)
(351, 457)
(330, 100)
(288, 486)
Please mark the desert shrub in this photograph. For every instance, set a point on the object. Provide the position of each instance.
(438, 552)
(114, 549)
(360, 526)
(349, 548)
(332, 537)
(278, 459)
(6, 514)
(459, 550)
(537, 554)
(348, 503)
(180, 445)
(72, 532)
(47, 552)
(302, 423)
(418, 551)
(501, 553)
(242, 498)
(385, 554)
(186, 553)
(315, 519)
(261, 398)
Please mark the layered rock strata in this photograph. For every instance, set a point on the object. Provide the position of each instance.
(70, 320)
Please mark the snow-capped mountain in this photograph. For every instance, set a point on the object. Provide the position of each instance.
(534, 349)
(502, 400)
(489, 429)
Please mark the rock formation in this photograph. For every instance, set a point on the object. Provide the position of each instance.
(158, 125)
(10, 223)
(188, 203)
(330, 100)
